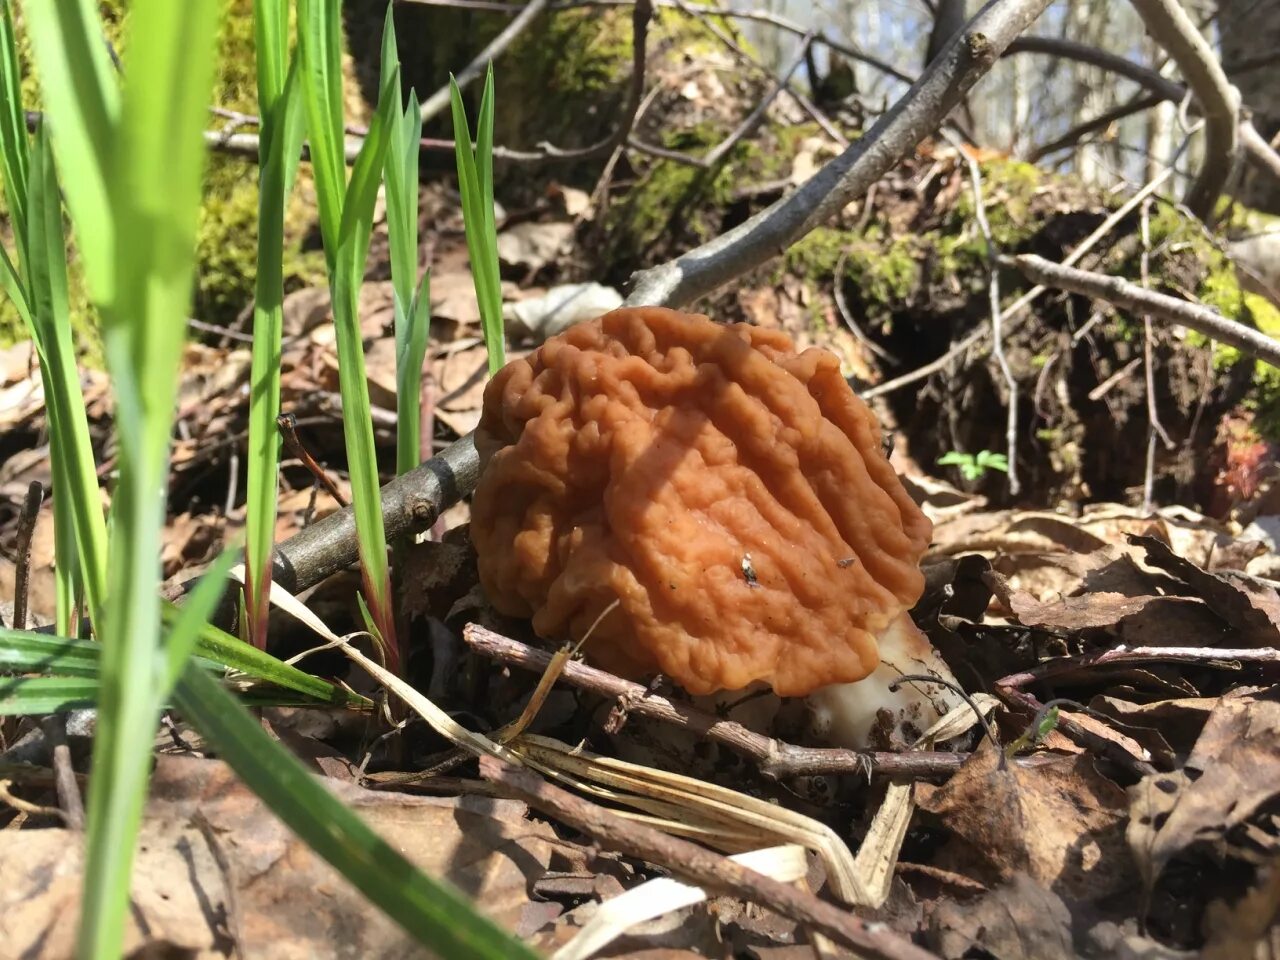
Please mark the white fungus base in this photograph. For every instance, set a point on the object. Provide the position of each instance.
(844, 714)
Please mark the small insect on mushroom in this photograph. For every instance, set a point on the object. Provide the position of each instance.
(648, 448)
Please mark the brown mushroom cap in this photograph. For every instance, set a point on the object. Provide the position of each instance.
(730, 493)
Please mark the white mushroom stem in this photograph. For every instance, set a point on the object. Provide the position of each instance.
(844, 714)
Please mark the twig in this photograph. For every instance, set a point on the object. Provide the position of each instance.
(1130, 296)
(1222, 658)
(437, 102)
(64, 775)
(1169, 25)
(1107, 385)
(846, 314)
(997, 313)
(1102, 121)
(410, 504)
(920, 112)
(1154, 426)
(288, 423)
(775, 758)
(702, 866)
(22, 574)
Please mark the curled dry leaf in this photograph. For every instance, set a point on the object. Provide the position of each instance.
(1249, 605)
(1231, 778)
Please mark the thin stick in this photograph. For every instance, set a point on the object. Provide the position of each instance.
(1220, 658)
(1154, 426)
(288, 423)
(775, 758)
(1131, 297)
(997, 314)
(26, 530)
(64, 775)
(702, 866)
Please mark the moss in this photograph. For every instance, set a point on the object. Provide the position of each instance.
(226, 239)
(1008, 189)
(227, 235)
(883, 274)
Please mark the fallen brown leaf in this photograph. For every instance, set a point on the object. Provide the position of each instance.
(1019, 920)
(286, 902)
(1062, 824)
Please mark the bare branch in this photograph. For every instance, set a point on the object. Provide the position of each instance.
(410, 503)
(919, 113)
(1169, 24)
(1130, 296)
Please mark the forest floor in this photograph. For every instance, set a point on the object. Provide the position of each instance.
(1123, 802)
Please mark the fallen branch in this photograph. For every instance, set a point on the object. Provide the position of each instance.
(410, 504)
(699, 865)
(1130, 296)
(919, 113)
(775, 758)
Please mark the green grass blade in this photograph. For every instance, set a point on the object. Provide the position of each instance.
(409, 360)
(33, 696)
(412, 316)
(13, 286)
(233, 653)
(402, 183)
(22, 651)
(131, 166)
(320, 53)
(477, 214)
(76, 494)
(433, 912)
(271, 50)
(14, 146)
(281, 133)
(81, 98)
(353, 238)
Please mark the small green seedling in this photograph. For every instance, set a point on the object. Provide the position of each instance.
(974, 467)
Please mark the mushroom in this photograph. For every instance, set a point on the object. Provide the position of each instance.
(729, 494)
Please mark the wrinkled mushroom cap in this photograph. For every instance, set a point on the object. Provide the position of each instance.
(730, 493)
